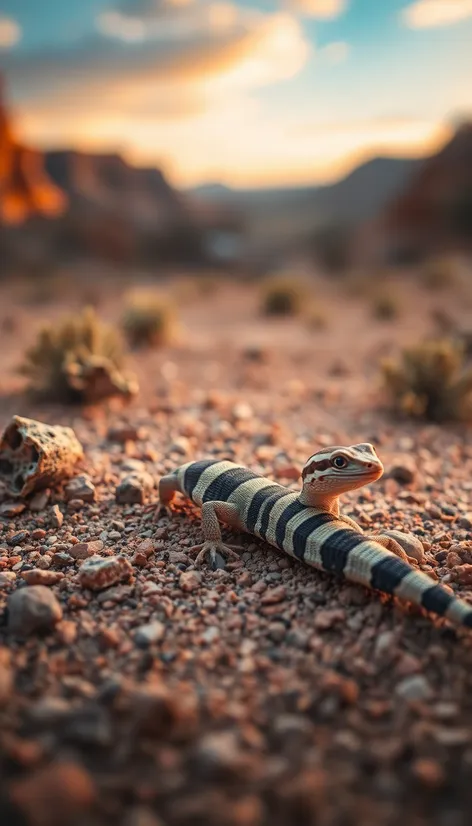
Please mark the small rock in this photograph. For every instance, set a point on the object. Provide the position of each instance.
(274, 595)
(463, 574)
(59, 793)
(99, 572)
(10, 509)
(7, 577)
(57, 517)
(465, 521)
(414, 688)
(325, 619)
(242, 412)
(6, 676)
(40, 500)
(122, 433)
(83, 550)
(276, 631)
(190, 581)
(287, 472)
(133, 488)
(33, 609)
(36, 576)
(148, 634)
(410, 544)
(403, 470)
(428, 771)
(81, 487)
(61, 559)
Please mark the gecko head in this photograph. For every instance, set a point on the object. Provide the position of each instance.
(335, 470)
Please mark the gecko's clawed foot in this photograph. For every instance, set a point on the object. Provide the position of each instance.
(162, 510)
(216, 552)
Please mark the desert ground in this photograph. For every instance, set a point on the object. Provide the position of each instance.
(267, 692)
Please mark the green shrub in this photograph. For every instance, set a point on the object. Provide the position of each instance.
(149, 320)
(79, 359)
(430, 381)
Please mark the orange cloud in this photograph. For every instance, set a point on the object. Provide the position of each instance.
(320, 9)
(10, 32)
(424, 14)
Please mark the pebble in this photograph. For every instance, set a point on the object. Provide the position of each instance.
(10, 509)
(465, 521)
(190, 581)
(83, 550)
(37, 576)
(81, 488)
(98, 572)
(31, 609)
(325, 619)
(403, 470)
(148, 634)
(133, 488)
(39, 501)
(463, 574)
(124, 432)
(274, 595)
(57, 517)
(414, 688)
(54, 795)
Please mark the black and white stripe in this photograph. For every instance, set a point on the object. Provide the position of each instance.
(275, 514)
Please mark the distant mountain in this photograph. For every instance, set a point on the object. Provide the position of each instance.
(108, 184)
(433, 212)
(286, 215)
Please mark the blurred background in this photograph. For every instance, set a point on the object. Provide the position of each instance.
(247, 133)
(313, 158)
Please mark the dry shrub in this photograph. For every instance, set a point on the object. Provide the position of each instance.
(430, 380)
(149, 320)
(283, 296)
(385, 306)
(440, 273)
(78, 359)
(316, 318)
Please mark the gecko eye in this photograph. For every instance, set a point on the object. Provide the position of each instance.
(339, 462)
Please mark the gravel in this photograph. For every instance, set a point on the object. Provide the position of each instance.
(136, 690)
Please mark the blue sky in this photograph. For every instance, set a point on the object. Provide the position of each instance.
(249, 92)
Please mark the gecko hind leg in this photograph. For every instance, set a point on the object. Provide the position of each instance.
(213, 547)
(389, 543)
(168, 486)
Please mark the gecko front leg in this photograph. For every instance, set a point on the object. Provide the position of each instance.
(213, 545)
(168, 487)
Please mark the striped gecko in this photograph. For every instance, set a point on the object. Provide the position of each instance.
(307, 524)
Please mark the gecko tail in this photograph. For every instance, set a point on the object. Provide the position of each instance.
(371, 565)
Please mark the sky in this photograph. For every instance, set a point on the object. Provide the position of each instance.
(245, 92)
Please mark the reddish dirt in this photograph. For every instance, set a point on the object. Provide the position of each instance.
(267, 693)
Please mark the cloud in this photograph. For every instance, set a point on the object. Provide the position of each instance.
(10, 32)
(166, 92)
(425, 14)
(193, 48)
(319, 9)
(334, 53)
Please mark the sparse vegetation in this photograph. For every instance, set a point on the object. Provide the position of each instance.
(385, 306)
(149, 320)
(431, 381)
(440, 273)
(283, 296)
(316, 319)
(79, 359)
